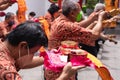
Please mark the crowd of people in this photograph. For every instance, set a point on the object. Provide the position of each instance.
(20, 41)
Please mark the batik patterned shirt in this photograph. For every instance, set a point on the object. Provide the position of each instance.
(7, 67)
(64, 29)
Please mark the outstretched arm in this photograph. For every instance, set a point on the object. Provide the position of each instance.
(3, 2)
(5, 6)
(99, 26)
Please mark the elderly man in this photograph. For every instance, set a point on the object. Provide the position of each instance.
(103, 37)
(99, 6)
(65, 26)
(94, 49)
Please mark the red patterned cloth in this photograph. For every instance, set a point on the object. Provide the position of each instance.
(63, 29)
(7, 67)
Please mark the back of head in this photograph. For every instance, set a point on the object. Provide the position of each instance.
(29, 31)
(68, 6)
(53, 8)
(99, 6)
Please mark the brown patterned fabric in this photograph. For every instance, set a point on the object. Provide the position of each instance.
(3, 29)
(48, 17)
(63, 29)
(7, 67)
(50, 75)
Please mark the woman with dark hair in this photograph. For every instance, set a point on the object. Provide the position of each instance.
(53, 12)
(49, 17)
(18, 48)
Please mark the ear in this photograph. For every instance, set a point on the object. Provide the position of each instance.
(23, 45)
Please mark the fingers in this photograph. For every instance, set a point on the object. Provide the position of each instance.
(103, 13)
(68, 67)
(116, 18)
(78, 67)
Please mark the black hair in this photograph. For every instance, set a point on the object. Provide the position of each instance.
(29, 31)
(53, 8)
(32, 14)
(8, 15)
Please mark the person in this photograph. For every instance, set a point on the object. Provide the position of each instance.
(3, 1)
(4, 4)
(65, 27)
(31, 15)
(18, 48)
(8, 24)
(103, 37)
(52, 13)
(94, 49)
(46, 20)
(99, 6)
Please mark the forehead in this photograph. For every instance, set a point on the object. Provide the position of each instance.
(78, 6)
(12, 17)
